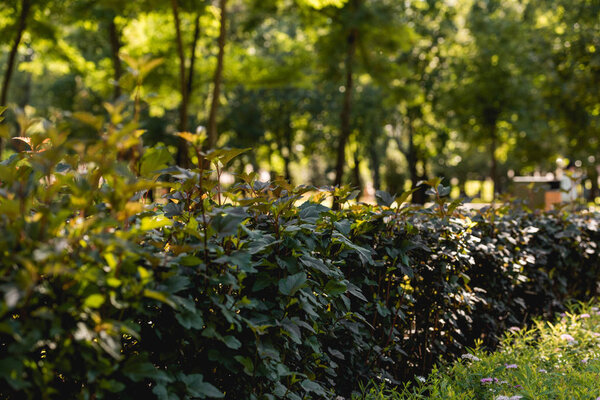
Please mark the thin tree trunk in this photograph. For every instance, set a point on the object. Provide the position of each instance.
(345, 114)
(115, 48)
(26, 99)
(287, 134)
(356, 172)
(412, 158)
(214, 106)
(375, 162)
(182, 153)
(593, 175)
(12, 56)
(190, 78)
(494, 162)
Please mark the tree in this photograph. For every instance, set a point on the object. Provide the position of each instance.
(218, 76)
(185, 79)
(570, 82)
(491, 84)
(20, 26)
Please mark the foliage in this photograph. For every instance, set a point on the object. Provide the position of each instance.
(550, 360)
(454, 85)
(249, 291)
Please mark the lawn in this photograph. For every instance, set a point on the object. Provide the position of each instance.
(548, 360)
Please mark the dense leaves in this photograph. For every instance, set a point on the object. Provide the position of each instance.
(256, 290)
(377, 93)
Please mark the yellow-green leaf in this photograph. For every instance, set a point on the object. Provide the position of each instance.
(94, 301)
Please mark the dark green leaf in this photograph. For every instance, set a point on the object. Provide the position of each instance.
(291, 284)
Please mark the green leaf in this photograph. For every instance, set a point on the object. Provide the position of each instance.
(320, 4)
(227, 224)
(94, 301)
(160, 297)
(310, 212)
(112, 385)
(317, 264)
(172, 209)
(176, 283)
(384, 198)
(292, 283)
(232, 342)
(311, 386)
(89, 119)
(335, 288)
(355, 290)
(224, 155)
(196, 387)
(404, 196)
(344, 226)
(162, 393)
(139, 368)
(382, 310)
(363, 253)
(155, 222)
(153, 160)
(190, 320)
(11, 370)
(247, 363)
(292, 330)
(240, 259)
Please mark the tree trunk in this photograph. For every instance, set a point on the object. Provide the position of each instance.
(115, 48)
(214, 106)
(287, 134)
(375, 163)
(356, 172)
(26, 99)
(412, 158)
(182, 148)
(494, 161)
(12, 56)
(593, 175)
(190, 78)
(345, 114)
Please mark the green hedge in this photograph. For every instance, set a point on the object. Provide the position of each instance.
(254, 291)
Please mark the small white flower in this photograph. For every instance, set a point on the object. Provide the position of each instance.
(469, 356)
(420, 378)
(567, 337)
(502, 398)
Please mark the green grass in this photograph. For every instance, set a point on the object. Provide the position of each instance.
(559, 360)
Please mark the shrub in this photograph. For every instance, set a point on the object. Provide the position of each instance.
(250, 291)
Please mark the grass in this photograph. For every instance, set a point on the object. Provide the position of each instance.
(559, 360)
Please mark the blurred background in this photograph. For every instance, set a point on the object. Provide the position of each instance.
(377, 94)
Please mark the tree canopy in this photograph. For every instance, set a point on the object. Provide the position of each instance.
(378, 94)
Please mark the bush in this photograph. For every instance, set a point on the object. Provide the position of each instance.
(250, 291)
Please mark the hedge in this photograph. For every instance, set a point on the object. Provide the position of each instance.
(257, 290)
